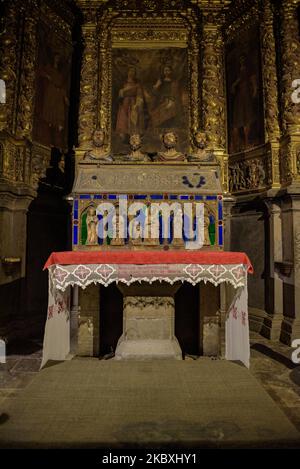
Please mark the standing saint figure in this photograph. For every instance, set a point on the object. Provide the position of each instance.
(244, 91)
(130, 117)
(167, 100)
(55, 101)
(92, 224)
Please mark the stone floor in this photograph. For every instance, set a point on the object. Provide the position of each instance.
(23, 392)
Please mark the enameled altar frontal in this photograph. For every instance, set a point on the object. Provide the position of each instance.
(138, 191)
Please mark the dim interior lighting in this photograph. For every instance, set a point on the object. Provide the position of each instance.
(2, 92)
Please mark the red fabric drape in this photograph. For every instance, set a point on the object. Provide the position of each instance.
(148, 257)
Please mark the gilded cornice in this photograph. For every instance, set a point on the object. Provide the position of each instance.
(240, 15)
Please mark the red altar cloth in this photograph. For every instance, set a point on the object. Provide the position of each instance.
(149, 257)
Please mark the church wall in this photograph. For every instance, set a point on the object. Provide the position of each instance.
(25, 154)
(272, 169)
(248, 235)
(258, 158)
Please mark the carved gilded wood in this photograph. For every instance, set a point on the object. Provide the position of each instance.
(131, 29)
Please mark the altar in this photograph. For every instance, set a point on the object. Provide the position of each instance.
(148, 276)
(71, 269)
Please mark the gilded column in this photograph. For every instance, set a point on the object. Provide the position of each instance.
(88, 82)
(270, 84)
(213, 89)
(290, 65)
(25, 109)
(9, 64)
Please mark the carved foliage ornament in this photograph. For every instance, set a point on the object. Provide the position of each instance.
(213, 86)
(290, 48)
(270, 73)
(27, 77)
(8, 63)
(88, 91)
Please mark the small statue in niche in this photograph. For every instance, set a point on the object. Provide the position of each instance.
(98, 153)
(201, 152)
(92, 224)
(119, 223)
(152, 225)
(169, 139)
(135, 146)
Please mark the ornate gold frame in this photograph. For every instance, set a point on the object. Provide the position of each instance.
(131, 29)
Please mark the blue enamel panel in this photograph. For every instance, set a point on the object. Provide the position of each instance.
(221, 235)
(85, 196)
(156, 197)
(220, 210)
(75, 234)
(211, 197)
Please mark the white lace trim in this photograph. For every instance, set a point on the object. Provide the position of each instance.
(63, 276)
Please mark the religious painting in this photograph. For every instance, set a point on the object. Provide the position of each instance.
(244, 91)
(149, 96)
(52, 89)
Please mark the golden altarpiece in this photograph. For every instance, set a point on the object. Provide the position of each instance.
(210, 53)
(143, 137)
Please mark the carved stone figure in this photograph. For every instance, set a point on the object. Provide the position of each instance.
(135, 146)
(201, 153)
(169, 140)
(152, 226)
(118, 222)
(92, 223)
(98, 153)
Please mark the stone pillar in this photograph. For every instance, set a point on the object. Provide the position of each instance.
(213, 89)
(88, 321)
(290, 268)
(210, 319)
(296, 261)
(271, 326)
(88, 80)
(270, 86)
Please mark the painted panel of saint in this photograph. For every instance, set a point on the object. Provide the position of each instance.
(244, 91)
(149, 96)
(52, 85)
